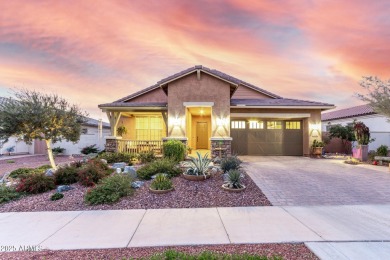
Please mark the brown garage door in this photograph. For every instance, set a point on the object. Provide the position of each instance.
(267, 137)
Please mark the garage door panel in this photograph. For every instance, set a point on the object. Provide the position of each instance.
(268, 141)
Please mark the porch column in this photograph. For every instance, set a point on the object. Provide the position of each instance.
(112, 144)
(113, 117)
(221, 147)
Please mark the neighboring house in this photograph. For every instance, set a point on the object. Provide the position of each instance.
(378, 124)
(91, 134)
(208, 109)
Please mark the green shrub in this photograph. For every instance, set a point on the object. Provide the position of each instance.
(58, 150)
(10, 161)
(198, 165)
(382, 150)
(161, 182)
(19, 173)
(164, 165)
(90, 149)
(56, 196)
(110, 190)
(146, 157)
(208, 255)
(43, 167)
(90, 175)
(230, 163)
(35, 183)
(234, 179)
(66, 175)
(117, 157)
(175, 150)
(371, 155)
(77, 164)
(8, 193)
(98, 163)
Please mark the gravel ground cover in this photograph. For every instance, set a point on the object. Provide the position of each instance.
(28, 162)
(286, 251)
(187, 194)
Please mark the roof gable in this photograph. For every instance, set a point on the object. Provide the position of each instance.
(198, 69)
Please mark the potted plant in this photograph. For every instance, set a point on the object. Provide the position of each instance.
(198, 168)
(161, 184)
(362, 135)
(58, 150)
(317, 147)
(233, 181)
(121, 130)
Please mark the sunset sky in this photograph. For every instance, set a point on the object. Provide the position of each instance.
(93, 52)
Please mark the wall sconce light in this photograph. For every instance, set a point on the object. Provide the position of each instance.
(221, 121)
(315, 130)
(176, 121)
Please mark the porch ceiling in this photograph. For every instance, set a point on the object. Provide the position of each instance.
(200, 111)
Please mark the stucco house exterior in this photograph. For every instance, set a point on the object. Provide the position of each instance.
(378, 124)
(208, 109)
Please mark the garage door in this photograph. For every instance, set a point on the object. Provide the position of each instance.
(267, 137)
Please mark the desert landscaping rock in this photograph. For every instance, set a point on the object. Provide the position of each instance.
(130, 170)
(63, 188)
(286, 251)
(137, 184)
(187, 194)
(49, 172)
(119, 165)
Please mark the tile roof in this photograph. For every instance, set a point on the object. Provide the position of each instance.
(134, 104)
(277, 102)
(214, 72)
(94, 122)
(348, 112)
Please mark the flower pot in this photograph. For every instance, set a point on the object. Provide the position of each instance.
(225, 187)
(195, 177)
(160, 191)
(361, 153)
(317, 151)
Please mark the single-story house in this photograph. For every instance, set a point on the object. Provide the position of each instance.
(378, 124)
(208, 109)
(93, 132)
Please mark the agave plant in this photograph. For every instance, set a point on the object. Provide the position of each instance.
(198, 165)
(234, 179)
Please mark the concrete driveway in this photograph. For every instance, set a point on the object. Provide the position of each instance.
(300, 181)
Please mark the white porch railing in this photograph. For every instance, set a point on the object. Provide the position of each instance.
(136, 146)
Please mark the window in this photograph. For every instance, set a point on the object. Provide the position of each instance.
(256, 125)
(238, 124)
(84, 131)
(274, 125)
(148, 128)
(293, 125)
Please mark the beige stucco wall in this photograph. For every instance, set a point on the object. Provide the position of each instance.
(311, 125)
(190, 89)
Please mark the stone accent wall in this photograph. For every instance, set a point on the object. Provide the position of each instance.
(226, 146)
(111, 145)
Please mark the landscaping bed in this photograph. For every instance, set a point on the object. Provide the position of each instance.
(268, 251)
(187, 194)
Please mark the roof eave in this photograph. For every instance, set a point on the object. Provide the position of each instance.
(285, 107)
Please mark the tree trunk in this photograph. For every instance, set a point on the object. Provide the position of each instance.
(50, 154)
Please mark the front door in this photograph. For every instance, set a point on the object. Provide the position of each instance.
(201, 135)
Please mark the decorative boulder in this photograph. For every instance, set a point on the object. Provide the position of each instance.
(214, 170)
(217, 160)
(118, 170)
(49, 172)
(5, 177)
(63, 188)
(130, 171)
(225, 177)
(103, 161)
(119, 165)
(137, 184)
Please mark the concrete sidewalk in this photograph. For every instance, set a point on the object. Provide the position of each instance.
(319, 226)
